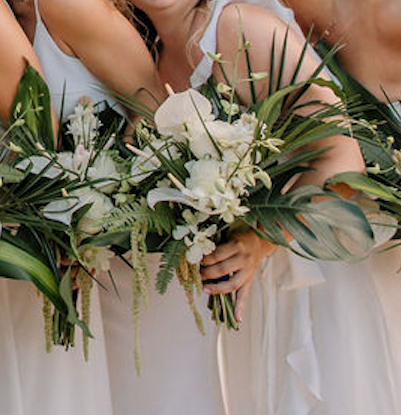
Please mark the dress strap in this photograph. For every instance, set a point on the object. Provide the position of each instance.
(208, 44)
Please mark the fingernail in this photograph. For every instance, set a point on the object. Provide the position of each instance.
(207, 291)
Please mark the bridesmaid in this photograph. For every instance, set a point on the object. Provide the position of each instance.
(179, 365)
(313, 351)
(32, 381)
(371, 34)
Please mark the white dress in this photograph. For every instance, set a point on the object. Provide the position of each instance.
(179, 365)
(318, 338)
(33, 382)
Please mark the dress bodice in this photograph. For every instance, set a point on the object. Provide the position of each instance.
(66, 76)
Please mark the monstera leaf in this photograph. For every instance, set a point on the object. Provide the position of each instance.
(317, 227)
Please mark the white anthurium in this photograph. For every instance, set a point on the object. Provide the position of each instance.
(63, 209)
(39, 163)
(104, 168)
(182, 109)
(167, 194)
(147, 162)
(101, 207)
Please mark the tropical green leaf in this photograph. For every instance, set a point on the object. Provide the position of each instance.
(315, 226)
(66, 294)
(15, 263)
(32, 104)
(10, 175)
(365, 184)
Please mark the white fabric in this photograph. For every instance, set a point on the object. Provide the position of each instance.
(33, 382)
(318, 338)
(179, 365)
(66, 77)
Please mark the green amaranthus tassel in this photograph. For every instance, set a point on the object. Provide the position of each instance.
(140, 282)
(188, 278)
(48, 320)
(86, 283)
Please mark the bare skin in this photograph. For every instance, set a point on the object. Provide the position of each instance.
(13, 59)
(25, 13)
(176, 22)
(104, 40)
(371, 33)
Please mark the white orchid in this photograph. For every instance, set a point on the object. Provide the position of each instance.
(197, 240)
(63, 209)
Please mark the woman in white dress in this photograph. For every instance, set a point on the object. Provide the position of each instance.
(179, 365)
(34, 382)
(314, 339)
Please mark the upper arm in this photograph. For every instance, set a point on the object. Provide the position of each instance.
(260, 28)
(12, 57)
(105, 41)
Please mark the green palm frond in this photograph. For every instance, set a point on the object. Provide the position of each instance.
(315, 226)
(32, 105)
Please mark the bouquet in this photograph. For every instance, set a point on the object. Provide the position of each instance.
(206, 167)
(381, 148)
(52, 202)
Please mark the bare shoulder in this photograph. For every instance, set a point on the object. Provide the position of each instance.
(77, 15)
(258, 24)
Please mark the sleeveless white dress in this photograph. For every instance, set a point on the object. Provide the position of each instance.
(318, 338)
(33, 382)
(179, 365)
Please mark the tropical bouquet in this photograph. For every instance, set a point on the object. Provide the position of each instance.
(380, 145)
(53, 198)
(208, 167)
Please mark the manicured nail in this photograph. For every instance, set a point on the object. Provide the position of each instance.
(207, 291)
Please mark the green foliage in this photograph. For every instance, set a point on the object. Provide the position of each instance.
(10, 175)
(126, 216)
(170, 261)
(32, 105)
(314, 225)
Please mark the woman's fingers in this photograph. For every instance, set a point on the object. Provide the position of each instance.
(222, 253)
(242, 295)
(234, 283)
(221, 269)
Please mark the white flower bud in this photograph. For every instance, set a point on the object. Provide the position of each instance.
(258, 76)
(215, 57)
(223, 88)
(374, 170)
(264, 178)
(220, 185)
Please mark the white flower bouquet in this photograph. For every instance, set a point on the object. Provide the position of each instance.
(53, 201)
(208, 167)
